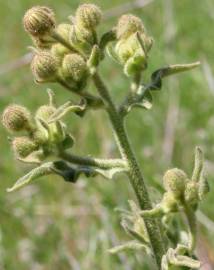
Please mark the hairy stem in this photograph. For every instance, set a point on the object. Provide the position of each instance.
(95, 162)
(134, 172)
(191, 219)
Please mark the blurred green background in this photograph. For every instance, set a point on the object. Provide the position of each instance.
(53, 225)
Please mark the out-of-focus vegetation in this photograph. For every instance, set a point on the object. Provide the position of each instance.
(53, 225)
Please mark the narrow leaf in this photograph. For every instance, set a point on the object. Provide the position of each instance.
(109, 174)
(66, 108)
(157, 76)
(132, 245)
(42, 170)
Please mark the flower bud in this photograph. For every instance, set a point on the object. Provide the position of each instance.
(88, 16)
(40, 136)
(74, 67)
(132, 52)
(82, 39)
(64, 30)
(191, 193)
(16, 118)
(169, 203)
(44, 66)
(45, 112)
(23, 146)
(174, 181)
(59, 51)
(39, 20)
(127, 25)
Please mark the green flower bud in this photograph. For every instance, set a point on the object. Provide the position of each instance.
(44, 66)
(45, 112)
(64, 30)
(74, 67)
(23, 146)
(88, 16)
(39, 20)
(191, 193)
(132, 52)
(16, 118)
(169, 203)
(82, 39)
(59, 51)
(129, 24)
(40, 136)
(174, 181)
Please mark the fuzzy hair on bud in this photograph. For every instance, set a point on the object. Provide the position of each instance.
(64, 30)
(82, 39)
(174, 181)
(16, 118)
(23, 146)
(45, 112)
(44, 66)
(128, 24)
(39, 20)
(59, 51)
(88, 16)
(74, 67)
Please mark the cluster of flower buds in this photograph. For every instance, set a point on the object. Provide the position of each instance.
(62, 50)
(40, 138)
(132, 46)
(180, 190)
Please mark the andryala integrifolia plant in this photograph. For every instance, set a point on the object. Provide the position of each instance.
(70, 54)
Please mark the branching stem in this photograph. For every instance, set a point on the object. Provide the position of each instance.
(134, 172)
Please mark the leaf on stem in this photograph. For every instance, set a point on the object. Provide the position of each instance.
(106, 38)
(66, 108)
(156, 78)
(129, 246)
(44, 169)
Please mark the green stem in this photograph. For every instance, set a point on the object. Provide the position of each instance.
(95, 162)
(92, 100)
(134, 172)
(191, 219)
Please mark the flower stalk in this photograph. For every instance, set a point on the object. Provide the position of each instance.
(134, 172)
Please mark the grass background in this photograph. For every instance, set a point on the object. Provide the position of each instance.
(53, 225)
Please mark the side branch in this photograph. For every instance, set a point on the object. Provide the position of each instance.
(94, 162)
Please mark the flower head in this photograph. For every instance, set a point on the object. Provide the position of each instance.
(74, 67)
(129, 24)
(39, 20)
(23, 146)
(44, 66)
(16, 118)
(88, 16)
(174, 181)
